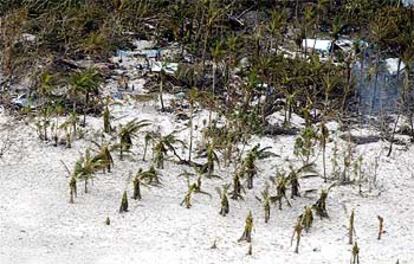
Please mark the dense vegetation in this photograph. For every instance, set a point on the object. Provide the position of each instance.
(210, 32)
(241, 59)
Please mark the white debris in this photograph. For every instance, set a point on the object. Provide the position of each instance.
(319, 45)
(392, 65)
(344, 44)
(28, 37)
(408, 2)
(157, 66)
(143, 44)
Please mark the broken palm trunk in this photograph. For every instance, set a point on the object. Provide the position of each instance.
(250, 251)
(320, 205)
(73, 189)
(355, 254)
(306, 218)
(225, 208)
(248, 227)
(266, 200)
(351, 227)
(266, 206)
(106, 119)
(281, 191)
(137, 188)
(250, 169)
(294, 182)
(124, 203)
(192, 188)
(237, 187)
(297, 232)
(381, 227)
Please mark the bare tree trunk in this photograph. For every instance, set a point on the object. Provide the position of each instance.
(86, 186)
(392, 136)
(161, 91)
(190, 145)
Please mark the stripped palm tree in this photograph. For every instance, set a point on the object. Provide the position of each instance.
(73, 188)
(151, 176)
(306, 171)
(86, 82)
(104, 154)
(128, 132)
(212, 157)
(237, 186)
(249, 168)
(86, 167)
(192, 189)
(266, 200)
(224, 200)
(281, 183)
(162, 145)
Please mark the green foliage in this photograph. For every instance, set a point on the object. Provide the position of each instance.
(281, 182)
(305, 144)
(306, 219)
(320, 205)
(224, 201)
(249, 168)
(266, 200)
(193, 188)
(248, 227)
(210, 153)
(162, 145)
(104, 155)
(129, 131)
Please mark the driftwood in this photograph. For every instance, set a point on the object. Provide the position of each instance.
(275, 130)
(361, 140)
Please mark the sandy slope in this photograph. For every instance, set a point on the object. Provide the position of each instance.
(38, 225)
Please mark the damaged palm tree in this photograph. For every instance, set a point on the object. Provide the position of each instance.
(305, 171)
(281, 182)
(249, 168)
(298, 233)
(320, 205)
(305, 143)
(147, 140)
(355, 254)
(86, 167)
(192, 189)
(212, 157)
(44, 123)
(237, 187)
(351, 230)
(86, 82)
(124, 203)
(306, 219)
(161, 146)
(104, 154)
(250, 251)
(70, 127)
(323, 138)
(128, 132)
(107, 120)
(248, 228)
(136, 182)
(72, 189)
(151, 176)
(381, 226)
(224, 200)
(266, 200)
